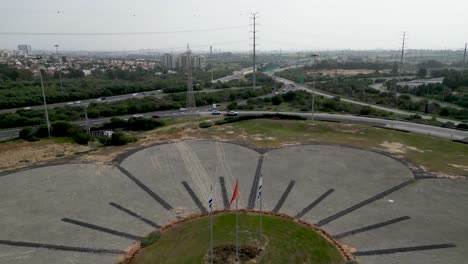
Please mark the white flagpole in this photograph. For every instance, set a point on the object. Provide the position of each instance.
(211, 224)
(260, 194)
(237, 229)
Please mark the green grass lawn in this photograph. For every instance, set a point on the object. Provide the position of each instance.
(434, 154)
(285, 241)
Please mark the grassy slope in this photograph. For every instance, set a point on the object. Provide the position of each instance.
(287, 242)
(434, 154)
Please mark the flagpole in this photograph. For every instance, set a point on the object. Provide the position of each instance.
(261, 222)
(237, 230)
(211, 226)
(260, 196)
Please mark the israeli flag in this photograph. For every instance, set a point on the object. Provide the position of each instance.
(260, 183)
(210, 201)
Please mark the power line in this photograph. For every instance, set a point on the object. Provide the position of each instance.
(118, 33)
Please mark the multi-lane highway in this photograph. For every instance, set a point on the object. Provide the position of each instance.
(441, 132)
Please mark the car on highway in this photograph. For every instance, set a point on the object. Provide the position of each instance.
(137, 115)
(27, 108)
(135, 94)
(155, 116)
(232, 113)
(182, 109)
(77, 102)
(69, 103)
(215, 112)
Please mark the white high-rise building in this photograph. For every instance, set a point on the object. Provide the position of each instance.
(168, 61)
(198, 61)
(25, 49)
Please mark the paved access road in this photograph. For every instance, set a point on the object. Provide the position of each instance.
(387, 109)
(400, 125)
(206, 111)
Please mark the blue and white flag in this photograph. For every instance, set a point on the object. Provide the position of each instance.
(260, 183)
(210, 201)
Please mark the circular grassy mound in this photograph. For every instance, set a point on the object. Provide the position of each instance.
(284, 241)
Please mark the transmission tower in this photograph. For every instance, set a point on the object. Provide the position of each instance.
(254, 17)
(402, 54)
(190, 96)
(58, 58)
(400, 68)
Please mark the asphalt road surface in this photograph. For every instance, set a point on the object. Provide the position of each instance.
(387, 109)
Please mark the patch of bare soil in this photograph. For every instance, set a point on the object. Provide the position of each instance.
(226, 254)
(398, 148)
(463, 167)
(347, 72)
(17, 155)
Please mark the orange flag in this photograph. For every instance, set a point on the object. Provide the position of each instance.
(235, 194)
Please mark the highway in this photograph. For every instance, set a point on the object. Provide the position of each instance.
(155, 93)
(387, 109)
(441, 132)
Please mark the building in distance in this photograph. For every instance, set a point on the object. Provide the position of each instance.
(172, 62)
(25, 49)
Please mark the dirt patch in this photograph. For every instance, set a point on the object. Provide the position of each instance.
(463, 167)
(227, 254)
(346, 72)
(398, 148)
(17, 155)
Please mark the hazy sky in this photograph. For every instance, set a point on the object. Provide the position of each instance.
(287, 25)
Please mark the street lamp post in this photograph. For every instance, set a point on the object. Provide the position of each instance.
(60, 75)
(313, 89)
(45, 103)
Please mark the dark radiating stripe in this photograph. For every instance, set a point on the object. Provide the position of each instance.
(253, 190)
(403, 249)
(134, 214)
(102, 229)
(314, 203)
(284, 196)
(363, 203)
(62, 248)
(195, 199)
(371, 227)
(224, 192)
(146, 188)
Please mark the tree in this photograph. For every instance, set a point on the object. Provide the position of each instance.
(421, 73)
(277, 100)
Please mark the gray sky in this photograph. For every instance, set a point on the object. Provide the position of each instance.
(287, 25)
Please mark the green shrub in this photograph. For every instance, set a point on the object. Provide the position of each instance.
(115, 122)
(462, 126)
(150, 239)
(41, 132)
(220, 122)
(205, 124)
(117, 139)
(366, 110)
(26, 133)
(81, 138)
(139, 123)
(61, 128)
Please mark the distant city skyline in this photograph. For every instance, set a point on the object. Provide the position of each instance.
(291, 25)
